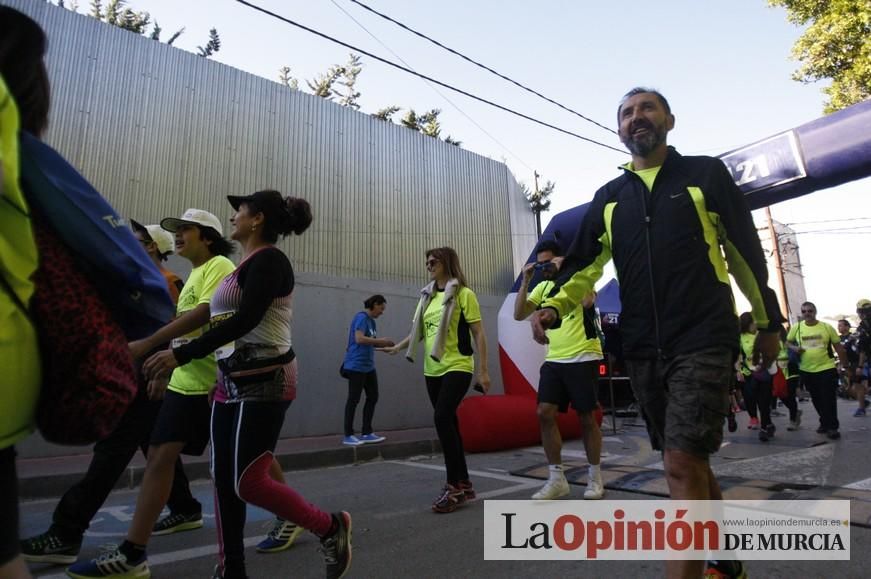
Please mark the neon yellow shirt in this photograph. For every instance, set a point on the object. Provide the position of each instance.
(453, 360)
(569, 342)
(198, 376)
(648, 176)
(815, 340)
(19, 353)
(747, 341)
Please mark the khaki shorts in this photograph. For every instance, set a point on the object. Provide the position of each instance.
(685, 399)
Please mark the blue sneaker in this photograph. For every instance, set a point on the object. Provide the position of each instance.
(110, 564)
(859, 412)
(281, 537)
(371, 438)
(352, 441)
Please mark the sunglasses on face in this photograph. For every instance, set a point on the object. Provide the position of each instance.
(431, 263)
(808, 311)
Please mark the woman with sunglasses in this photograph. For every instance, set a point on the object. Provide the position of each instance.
(447, 318)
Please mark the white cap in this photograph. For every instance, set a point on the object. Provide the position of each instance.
(157, 234)
(193, 217)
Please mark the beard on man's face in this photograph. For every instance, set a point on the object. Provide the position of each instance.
(642, 145)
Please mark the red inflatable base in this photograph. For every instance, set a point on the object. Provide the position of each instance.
(489, 423)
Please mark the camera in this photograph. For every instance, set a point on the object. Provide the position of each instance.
(545, 266)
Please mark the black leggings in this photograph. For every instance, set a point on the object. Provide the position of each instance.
(9, 545)
(244, 435)
(357, 383)
(446, 392)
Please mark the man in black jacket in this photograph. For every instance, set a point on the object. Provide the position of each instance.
(667, 222)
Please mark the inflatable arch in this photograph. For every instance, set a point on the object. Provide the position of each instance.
(824, 153)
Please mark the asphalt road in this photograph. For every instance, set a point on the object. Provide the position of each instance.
(397, 535)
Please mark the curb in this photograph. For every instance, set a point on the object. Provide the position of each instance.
(42, 486)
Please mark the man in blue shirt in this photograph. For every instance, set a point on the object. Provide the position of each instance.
(359, 368)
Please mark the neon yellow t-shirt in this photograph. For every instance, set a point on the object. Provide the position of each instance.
(19, 353)
(453, 360)
(570, 341)
(747, 341)
(648, 176)
(815, 341)
(198, 376)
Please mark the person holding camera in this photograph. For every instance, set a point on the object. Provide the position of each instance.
(569, 374)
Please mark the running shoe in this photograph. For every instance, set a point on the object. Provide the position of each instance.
(371, 438)
(280, 538)
(176, 523)
(352, 441)
(336, 547)
(595, 489)
(110, 564)
(554, 488)
(450, 498)
(467, 488)
(49, 547)
(753, 424)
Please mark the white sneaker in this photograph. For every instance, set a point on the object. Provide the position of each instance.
(595, 489)
(554, 488)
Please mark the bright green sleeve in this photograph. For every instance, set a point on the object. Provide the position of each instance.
(469, 303)
(214, 273)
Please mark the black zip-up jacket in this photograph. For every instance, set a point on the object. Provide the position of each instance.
(668, 247)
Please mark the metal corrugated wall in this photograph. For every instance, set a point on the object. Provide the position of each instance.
(157, 130)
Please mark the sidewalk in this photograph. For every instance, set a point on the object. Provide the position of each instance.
(51, 477)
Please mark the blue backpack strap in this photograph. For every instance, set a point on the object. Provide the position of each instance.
(130, 283)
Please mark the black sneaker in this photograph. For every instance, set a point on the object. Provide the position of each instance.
(337, 547)
(771, 430)
(821, 430)
(733, 424)
(176, 523)
(763, 435)
(833, 434)
(50, 548)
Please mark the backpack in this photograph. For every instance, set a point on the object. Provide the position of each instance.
(99, 239)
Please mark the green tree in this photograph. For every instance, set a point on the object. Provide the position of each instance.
(836, 45)
(322, 85)
(118, 13)
(539, 200)
(348, 79)
(386, 114)
(286, 79)
(212, 46)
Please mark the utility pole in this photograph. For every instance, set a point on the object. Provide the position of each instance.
(778, 264)
(536, 206)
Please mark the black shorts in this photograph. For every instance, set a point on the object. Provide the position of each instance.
(9, 545)
(183, 418)
(575, 382)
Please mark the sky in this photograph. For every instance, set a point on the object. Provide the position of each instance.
(724, 66)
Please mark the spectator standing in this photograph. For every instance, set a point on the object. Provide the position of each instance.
(359, 366)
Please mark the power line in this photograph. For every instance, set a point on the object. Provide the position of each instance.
(423, 76)
(485, 67)
(830, 220)
(437, 91)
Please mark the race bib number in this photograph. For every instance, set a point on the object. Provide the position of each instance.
(226, 350)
